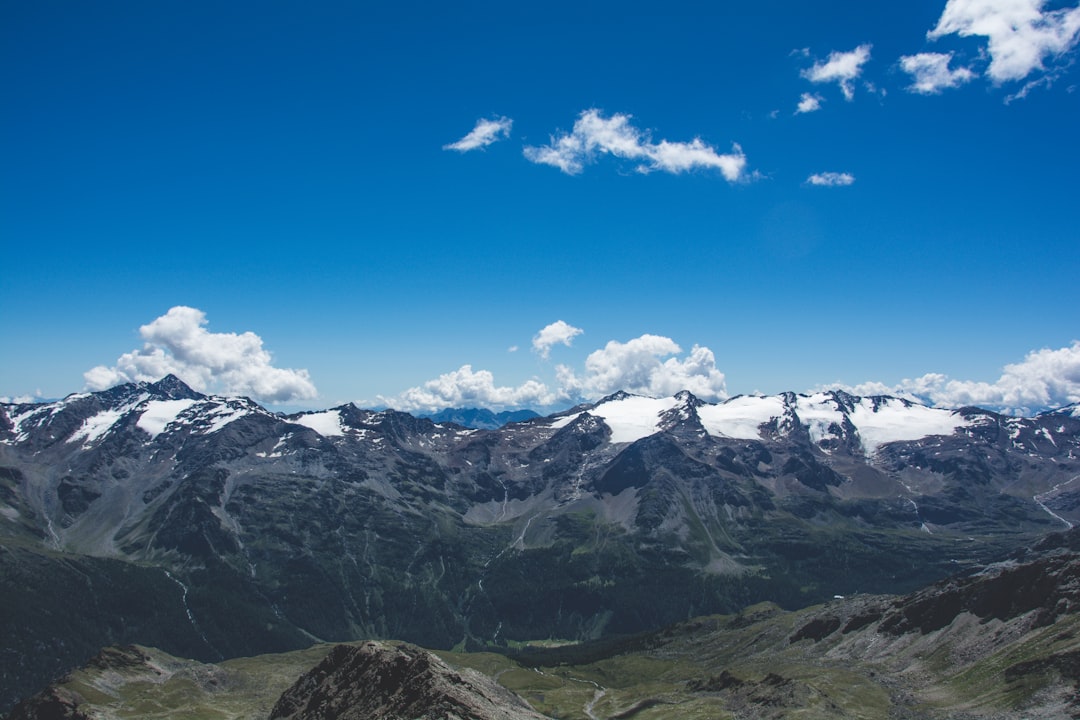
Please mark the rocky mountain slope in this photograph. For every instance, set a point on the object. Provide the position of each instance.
(379, 680)
(214, 528)
(997, 642)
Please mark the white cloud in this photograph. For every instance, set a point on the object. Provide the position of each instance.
(512, 349)
(831, 179)
(465, 387)
(931, 73)
(638, 366)
(485, 133)
(648, 365)
(595, 135)
(178, 343)
(1020, 33)
(20, 399)
(841, 68)
(808, 103)
(1045, 378)
(556, 333)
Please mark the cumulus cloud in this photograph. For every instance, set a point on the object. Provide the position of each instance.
(1020, 33)
(178, 343)
(831, 179)
(485, 133)
(466, 387)
(639, 366)
(808, 103)
(556, 333)
(931, 73)
(594, 135)
(1045, 378)
(842, 68)
(650, 365)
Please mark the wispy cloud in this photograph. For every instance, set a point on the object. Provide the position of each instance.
(485, 133)
(1044, 378)
(842, 68)
(808, 103)
(1020, 33)
(831, 179)
(178, 343)
(557, 333)
(931, 73)
(594, 135)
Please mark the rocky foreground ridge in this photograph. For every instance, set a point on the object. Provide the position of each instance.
(998, 642)
(213, 528)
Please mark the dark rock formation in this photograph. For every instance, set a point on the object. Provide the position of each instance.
(379, 681)
(51, 704)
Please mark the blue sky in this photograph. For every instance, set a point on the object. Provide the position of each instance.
(284, 171)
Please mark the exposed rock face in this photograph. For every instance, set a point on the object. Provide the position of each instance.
(1040, 585)
(380, 681)
(51, 704)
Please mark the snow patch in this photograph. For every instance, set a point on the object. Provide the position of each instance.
(222, 416)
(818, 413)
(740, 417)
(19, 421)
(564, 421)
(159, 414)
(634, 417)
(895, 421)
(326, 423)
(98, 426)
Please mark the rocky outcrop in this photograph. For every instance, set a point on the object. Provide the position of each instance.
(51, 704)
(382, 681)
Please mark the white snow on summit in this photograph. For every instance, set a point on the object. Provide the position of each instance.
(895, 421)
(326, 423)
(876, 422)
(633, 417)
(740, 417)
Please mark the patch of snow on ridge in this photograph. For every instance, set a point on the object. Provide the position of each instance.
(98, 426)
(634, 417)
(20, 419)
(894, 421)
(326, 423)
(741, 417)
(222, 416)
(818, 412)
(160, 413)
(562, 422)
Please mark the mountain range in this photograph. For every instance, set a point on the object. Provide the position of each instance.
(211, 527)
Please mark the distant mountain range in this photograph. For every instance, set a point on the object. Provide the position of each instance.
(480, 418)
(211, 527)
